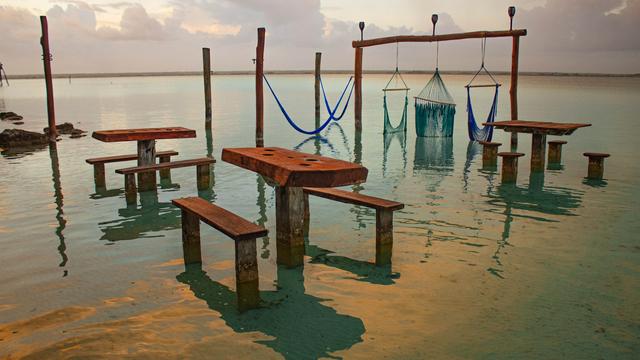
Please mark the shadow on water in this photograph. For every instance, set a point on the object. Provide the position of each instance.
(402, 141)
(59, 201)
(534, 198)
(22, 151)
(301, 326)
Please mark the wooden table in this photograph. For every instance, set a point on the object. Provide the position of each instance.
(539, 131)
(291, 171)
(146, 139)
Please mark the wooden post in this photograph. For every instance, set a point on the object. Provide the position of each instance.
(513, 91)
(317, 87)
(555, 151)
(247, 280)
(510, 166)
(307, 214)
(46, 59)
(203, 175)
(538, 148)
(357, 74)
(130, 192)
(165, 174)
(146, 156)
(259, 89)
(489, 154)
(206, 72)
(191, 238)
(596, 165)
(98, 175)
(384, 236)
(289, 226)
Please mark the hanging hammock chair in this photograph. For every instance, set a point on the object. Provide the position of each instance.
(435, 107)
(475, 132)
(396, 83)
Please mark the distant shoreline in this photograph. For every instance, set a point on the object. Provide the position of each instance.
(304, 72)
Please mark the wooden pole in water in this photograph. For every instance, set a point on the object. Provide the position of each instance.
(206, 72)
(46, 59)
(513, 91)
(317, 87)
(358, 89)
(259, 88)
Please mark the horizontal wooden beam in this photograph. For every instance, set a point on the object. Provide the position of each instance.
(443, 37)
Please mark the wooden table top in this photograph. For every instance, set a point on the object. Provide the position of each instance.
(294, 168)
(143, 134)
(537, 127)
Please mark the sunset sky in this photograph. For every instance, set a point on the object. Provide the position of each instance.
(166, 35)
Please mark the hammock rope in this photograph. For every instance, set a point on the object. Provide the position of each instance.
(398, 85)
(333, 111)
(325, 123)
(485, 133)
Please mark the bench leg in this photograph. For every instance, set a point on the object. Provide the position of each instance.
(247, 289)
(165, 174)
(191, 238)
(98, 175)
(538, 147)
(130, 188)
(384, 237)
(203, 173)
(147, 156)
(289, 226)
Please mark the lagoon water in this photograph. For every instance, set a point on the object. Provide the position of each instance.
(549, 268)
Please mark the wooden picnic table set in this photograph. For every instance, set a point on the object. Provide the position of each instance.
(539, 131)
(296, 175)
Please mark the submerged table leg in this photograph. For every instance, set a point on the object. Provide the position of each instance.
(538, 146)
(146, 156)
(289, 226)
(247, 289)
(384, 236)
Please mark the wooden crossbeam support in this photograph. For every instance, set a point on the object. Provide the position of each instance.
(442, 37)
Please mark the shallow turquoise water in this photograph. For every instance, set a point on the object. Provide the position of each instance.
(548, 268)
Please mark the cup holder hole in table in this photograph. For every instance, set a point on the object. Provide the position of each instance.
(310, 159)
(267, 154)
(269, 150)
(305, 164)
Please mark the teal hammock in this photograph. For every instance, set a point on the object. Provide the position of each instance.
(396, 83)
(435, 109)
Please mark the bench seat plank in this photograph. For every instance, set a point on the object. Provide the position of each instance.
(223, 220)
(117, 158)
(354, 198)
(166, 165)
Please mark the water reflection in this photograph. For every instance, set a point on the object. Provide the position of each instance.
(433, 156)
(402, 141)
(300, 325)
(59, 201)
(473, 149)
(22, 151)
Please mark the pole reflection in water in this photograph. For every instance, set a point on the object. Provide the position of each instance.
(535, 202)
(300, 325)
(59, 201)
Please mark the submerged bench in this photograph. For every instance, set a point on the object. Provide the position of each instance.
(98, 164)
(384, 215)
(202, 165)
(237, 228)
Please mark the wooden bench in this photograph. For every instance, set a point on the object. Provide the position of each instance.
(510, 166)
(244, 233)
(384, 215)
(98, 164)
(202, 165)
(595, 171)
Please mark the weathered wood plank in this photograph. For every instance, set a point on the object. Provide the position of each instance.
(128, 157)
(225, 221)
(537, 127)
(354, 198)
(166, 165)
(143, 134)
(146, 157)
(293, 168)
(443, 37)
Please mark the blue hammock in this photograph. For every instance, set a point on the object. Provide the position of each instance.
(485, 133)
(331, 111)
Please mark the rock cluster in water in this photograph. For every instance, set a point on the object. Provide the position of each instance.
(21, 138)
(67, 129)
(10, 116)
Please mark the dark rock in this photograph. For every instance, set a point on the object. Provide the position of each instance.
(77, 133)
(63, 129)
(10, 116)
(18, 123)
(18, 137)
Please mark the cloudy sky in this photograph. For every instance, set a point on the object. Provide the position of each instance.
(166, 35)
